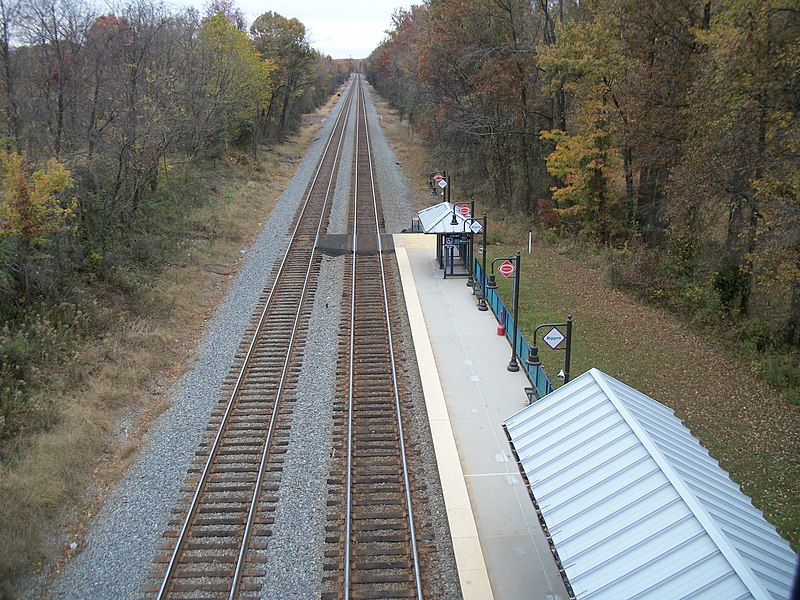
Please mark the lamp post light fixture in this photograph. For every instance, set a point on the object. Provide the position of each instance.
(513, 366)
(533, 356)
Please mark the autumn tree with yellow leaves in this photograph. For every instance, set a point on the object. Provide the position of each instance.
(33, 210)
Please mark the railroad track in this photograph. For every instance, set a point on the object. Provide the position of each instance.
(214, 545)
(217, 541)
(372, 538)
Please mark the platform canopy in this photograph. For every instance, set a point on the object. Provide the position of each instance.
(635, 507)
(439, 219)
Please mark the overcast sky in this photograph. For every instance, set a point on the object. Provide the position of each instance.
(340, 28)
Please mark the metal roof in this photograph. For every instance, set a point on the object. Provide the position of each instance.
(439, 217)
(635, 506)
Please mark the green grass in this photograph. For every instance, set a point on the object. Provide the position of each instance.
(750, 428)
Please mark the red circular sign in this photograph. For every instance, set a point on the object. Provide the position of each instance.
(464, 210)
(438, 177)
(506, 269)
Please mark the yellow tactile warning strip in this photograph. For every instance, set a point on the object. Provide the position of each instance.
(467, 547)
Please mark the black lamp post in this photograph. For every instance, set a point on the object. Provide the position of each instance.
(533, 357)
(449, 254)
(447, 189)
(472, 281)
(482, 303)
(492, 285)
(470, 278)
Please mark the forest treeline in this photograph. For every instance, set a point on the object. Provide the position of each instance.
(107, 118)
(665, 132)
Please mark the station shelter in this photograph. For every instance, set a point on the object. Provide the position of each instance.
(453, 225)
(635, 507)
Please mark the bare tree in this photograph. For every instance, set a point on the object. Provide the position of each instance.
(9, 20)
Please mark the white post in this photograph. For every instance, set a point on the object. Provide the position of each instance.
(530, 239)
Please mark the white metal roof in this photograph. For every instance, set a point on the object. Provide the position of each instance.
(439, 218)
(636, 507)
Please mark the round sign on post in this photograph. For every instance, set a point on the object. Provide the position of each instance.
(464, 210)
(507, 268)
(437, 178)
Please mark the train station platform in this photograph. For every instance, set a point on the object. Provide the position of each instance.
(500, 549)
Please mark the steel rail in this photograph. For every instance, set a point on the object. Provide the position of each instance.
(349, 481)
(346, 106)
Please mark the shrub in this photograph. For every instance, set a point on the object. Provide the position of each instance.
(699, 301)
(40, 341)
(548, 216)
(757, 335)
(781, 371)
(728, 281)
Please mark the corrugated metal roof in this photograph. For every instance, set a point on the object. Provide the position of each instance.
(439, 217)
(635, 506)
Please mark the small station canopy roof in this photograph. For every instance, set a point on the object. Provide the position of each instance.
(635, 506)
(439, 219)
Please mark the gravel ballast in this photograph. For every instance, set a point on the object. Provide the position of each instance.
(116, 558)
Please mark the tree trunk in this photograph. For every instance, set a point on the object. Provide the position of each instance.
(793, 323)
(11, 110)
(284, 110)
(59, 121)
(561, 104)
(529, 202)
(630, 198)
(649, 199)
(752, 224)
(747, 262)
(706, 21)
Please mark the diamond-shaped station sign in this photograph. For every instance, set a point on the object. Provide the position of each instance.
(553, 338)
(476, 227)
(507, 268)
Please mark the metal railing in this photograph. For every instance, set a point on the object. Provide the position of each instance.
(536, 375)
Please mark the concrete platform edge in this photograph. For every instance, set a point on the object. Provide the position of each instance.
(472, 571)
